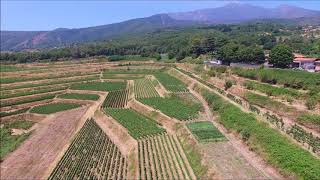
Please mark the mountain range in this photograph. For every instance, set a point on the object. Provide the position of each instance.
(230, 13)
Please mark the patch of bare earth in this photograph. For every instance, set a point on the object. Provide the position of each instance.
(33, 158)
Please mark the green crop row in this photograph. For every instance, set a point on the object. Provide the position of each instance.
(275, 148)
(30, 85)
(309, 118)
(53, 108)
(289, 78)
(9, 80)
(175, 106)
(28, 100)
(99, 86)
(20, 111)
(92, 97)
(171, 83)
(32, 92)
(116, 99)
(138, 125)
(143, 88)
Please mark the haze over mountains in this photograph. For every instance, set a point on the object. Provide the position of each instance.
(231, 13)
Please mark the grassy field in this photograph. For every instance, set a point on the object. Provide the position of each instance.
(92, 97)
(175, 106)
(15, 112)
(138, 125)
(100, 86)
(205, 131)
(53, 108)
(32, 92)
(11, 142)
(275, 148)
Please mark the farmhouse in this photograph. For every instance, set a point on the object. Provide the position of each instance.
(306, 63)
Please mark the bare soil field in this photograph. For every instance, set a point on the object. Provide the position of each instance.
(38, 152)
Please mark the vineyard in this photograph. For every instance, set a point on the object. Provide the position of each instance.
(171, 83)
(138, 125)
(161, 157)
(175, 106)
(117, 99)
(143, 88)
(91, 155)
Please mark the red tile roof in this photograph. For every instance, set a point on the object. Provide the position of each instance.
(304, 59)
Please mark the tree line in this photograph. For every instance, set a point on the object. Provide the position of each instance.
(229, 43)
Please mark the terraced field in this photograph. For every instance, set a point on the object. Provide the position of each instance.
(91, 155)
(117, 99)
(161, 157)
(143, 88)
(171, 83)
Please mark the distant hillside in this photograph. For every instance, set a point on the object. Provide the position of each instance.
(231, 13)
(237, 13)
(18, 40)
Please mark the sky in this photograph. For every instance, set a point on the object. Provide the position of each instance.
(31, 15)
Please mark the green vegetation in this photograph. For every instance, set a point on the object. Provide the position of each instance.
(265, 101)
(271, 90)
(123, 76)
(99, 86)
(227, 85)
(10, 142)
(116, 99)
(281, 56)
(30, 85)
(287, 77)
(138, 125)
(32, 92)
(144, 88)
(28, 100)
(10, 113)
(171, 83)
(205, 131)
(175, 106)
(11, 68)
(92, 97)
(91, 149)
(309, 118)
(9, 80)
(53, 108)
(275, 148)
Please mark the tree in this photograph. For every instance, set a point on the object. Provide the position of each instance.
(281, 56)
(228, 53)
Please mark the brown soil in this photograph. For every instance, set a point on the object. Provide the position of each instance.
(38, 152)
(159, 87)
(21, 106)
(31, 96)
(26, 116)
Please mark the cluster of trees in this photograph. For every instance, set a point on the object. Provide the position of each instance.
(230, 43)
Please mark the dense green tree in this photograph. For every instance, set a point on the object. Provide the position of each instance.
(281, 56)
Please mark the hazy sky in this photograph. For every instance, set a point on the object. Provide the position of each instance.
(48, 15)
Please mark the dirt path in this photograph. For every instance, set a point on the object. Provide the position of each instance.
(258, 167)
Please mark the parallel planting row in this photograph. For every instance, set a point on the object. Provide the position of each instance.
(171, 83)
(117, 99)
(161, 157)
(91, 155)
(143, 88)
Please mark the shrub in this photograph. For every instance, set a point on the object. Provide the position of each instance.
(227, 84)
(311, 103)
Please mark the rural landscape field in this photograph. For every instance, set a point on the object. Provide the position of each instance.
(169, 98)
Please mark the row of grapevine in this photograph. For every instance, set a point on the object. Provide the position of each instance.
(91, 155)
(161, 157)
(143, 88)
(171, 83)
(117, 99)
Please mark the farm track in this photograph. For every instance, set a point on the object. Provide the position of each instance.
(255, 161)
(287, 122)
